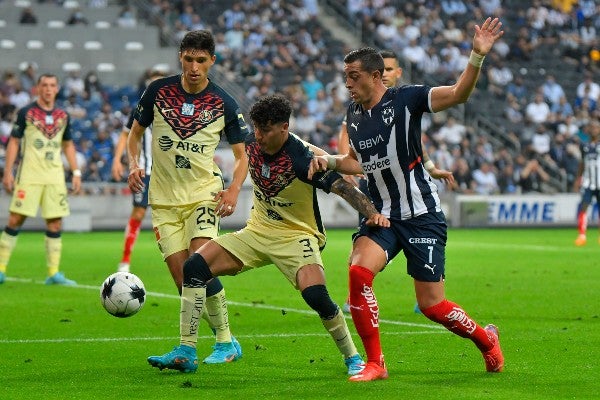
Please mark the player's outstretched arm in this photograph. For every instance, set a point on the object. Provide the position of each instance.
(360, 202)
(443, 97)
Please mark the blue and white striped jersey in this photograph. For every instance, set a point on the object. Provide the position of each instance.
(387, 143)
(590, 155)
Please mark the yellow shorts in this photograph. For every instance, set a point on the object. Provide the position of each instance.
(176, 226)
(288, 250)
(52, 199)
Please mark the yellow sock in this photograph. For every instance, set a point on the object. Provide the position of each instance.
(218, 317)
(192, 304)
(7, 244)
(53, 252)
(338, 329)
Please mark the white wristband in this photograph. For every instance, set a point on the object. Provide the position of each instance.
(331, 163)
(77, 173)
(429, 165)
(476, 60)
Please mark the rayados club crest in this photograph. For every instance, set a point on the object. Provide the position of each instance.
(388, 115)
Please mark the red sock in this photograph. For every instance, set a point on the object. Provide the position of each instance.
(582, 222)
(365, 311)
(131, 233)
(457, 321)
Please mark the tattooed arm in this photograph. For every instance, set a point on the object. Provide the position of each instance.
(360, 202)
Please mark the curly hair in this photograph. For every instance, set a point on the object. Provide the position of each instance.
(198, 40)
(272, 109)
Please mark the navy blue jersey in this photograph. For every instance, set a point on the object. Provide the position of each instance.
(387, 143)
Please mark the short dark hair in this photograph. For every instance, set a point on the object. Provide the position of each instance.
(369, 58)
(198, 40)
(271, 109)
(388, 54)
(47, 75)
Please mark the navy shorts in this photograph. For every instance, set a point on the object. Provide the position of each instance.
(588, 194)
(422, 239)
(141, 199)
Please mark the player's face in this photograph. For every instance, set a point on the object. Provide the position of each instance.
(47, 89)
(360, 83)
(195, 65)
(271, 137)
(391, 72)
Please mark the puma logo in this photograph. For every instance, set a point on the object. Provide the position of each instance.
(430, 268)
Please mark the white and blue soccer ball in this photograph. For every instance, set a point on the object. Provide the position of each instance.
(123, 294)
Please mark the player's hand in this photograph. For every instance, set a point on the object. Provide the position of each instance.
(486, 35)
(75, 184)
(135, 180)
(317, 164)
(378, 220)
(8, 181)
(117, 170)
(226, 202)
(443, 175)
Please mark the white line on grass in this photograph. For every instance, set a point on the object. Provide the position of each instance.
(173, 338)
(249, 305)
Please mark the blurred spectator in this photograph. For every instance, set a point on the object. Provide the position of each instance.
(77, 18)
(507, 182)
(499, 76)
(74, 84)
(463, 179)
(93, 87)
(518, 89)
(552, 90)
(568, 127)
(311, 85)
(533, 177)
(72, 106)
(28, 17)
(538, 110)
(126, 18)
(513, 110)
(452, 132)
(454, 7)
(28, 78)
(562, 109)
(541, 141)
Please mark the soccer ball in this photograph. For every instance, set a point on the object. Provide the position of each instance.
(122, 294)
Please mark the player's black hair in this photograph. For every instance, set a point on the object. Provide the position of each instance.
(369, 58)
(47, 75)
(272, 109)
(198, 40)
(389, 54)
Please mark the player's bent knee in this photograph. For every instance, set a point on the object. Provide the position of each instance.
(196, 271)
(318, 299)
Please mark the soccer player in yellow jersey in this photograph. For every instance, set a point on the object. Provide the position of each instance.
(41, 131)
(189, 114)
(284, 229)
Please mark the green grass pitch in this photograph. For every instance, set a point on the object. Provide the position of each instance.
(541, 291)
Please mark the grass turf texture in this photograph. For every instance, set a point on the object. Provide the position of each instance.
(541, 291)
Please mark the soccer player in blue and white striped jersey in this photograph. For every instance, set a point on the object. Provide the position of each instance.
(588, 178)
(384, 128)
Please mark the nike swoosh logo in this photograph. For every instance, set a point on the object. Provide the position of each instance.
(386, 103)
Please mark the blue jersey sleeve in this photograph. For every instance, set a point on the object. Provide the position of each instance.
(235, 129)
(18, 129)
(301, 156)
(144, 112)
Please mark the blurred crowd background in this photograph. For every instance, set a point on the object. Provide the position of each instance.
(520, 132)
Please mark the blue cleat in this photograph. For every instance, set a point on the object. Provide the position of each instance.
(223, 353)
(59, 279)
(237, 346)
(182, 358)
(2, 277)
(355, 364)
(417, 309)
